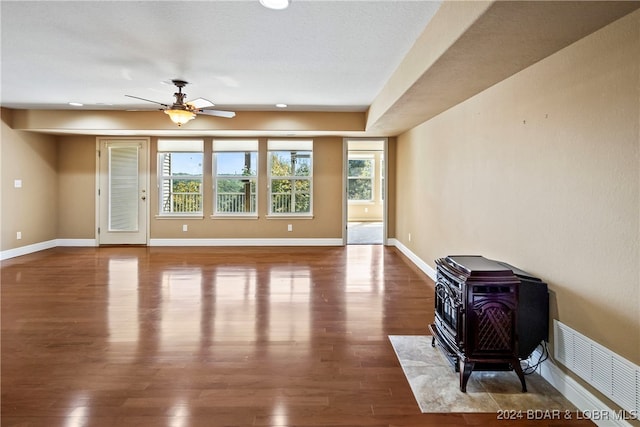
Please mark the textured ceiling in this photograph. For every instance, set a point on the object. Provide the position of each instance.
(390, 64)
(314, 56)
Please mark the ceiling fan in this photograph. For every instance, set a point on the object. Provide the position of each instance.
(181, 111)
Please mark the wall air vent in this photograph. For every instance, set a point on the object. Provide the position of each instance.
(612, 375)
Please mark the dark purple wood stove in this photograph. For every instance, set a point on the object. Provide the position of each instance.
(476, 314)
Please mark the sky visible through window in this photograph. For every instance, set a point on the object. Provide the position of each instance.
(186, 163)
(191, 164)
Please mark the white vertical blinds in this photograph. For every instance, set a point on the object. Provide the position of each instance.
(123, 188)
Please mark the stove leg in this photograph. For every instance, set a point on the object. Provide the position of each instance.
(516, 367)
(466, 368)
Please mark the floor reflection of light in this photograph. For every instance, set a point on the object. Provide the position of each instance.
(181, 306)
(235, 296)
(364, 289)
(279, 416)
(123, 305)
(289, 296)
(179, 414)
(365, 269)
(77, 417)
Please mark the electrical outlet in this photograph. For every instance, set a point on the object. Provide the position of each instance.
(17, 183)
(185, 227)
(290, 227)
(19, 235)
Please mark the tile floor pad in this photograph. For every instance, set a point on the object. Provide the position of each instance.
(436, 386)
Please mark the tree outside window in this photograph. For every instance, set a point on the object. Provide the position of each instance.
(360, 180)
(180, 182)
(290, 176)
(236, 178)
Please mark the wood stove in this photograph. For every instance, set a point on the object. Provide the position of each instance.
(476, 315)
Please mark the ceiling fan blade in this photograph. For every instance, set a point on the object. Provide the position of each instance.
(148, 100)
(200, 103)
(218, 113)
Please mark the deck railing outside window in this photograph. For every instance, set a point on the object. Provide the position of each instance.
(281, 202)
(180, 176)
(183, 203)
(235, 203)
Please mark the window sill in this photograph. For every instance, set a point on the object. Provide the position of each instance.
(234, 217)
(289, 216)
(180, 216)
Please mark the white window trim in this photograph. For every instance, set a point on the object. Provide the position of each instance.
(380, 180)
(289, 145)
(165, 145)
(234, 146)
(371, 157)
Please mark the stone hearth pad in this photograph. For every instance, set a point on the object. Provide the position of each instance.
(435, 384)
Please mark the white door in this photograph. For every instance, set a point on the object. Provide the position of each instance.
(122, 191)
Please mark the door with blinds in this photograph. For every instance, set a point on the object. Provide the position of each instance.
(122, 192)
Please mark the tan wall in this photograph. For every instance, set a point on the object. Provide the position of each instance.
(392, 170)
(542, 171)
(77, 171)
(49, 166)
(88, 122)
(32, 209)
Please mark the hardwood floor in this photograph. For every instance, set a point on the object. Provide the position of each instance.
(136, 336)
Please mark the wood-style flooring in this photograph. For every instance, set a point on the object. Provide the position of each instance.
(137, 336)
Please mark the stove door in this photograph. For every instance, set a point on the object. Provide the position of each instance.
(491, 321)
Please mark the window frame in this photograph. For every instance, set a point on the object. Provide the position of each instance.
(382, 179)
(371, 158)
(178, 146)
(289, 146)
(238, 147)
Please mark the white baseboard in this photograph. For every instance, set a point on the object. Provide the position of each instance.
(426, 268)
(28, 249)
(25, 250)
(246, 242)
(582, 398)
(77, 242)
(36, 247)
(571, 389)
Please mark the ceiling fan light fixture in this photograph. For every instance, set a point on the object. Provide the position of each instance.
(180, 117)
(275, 4)
(181, 111)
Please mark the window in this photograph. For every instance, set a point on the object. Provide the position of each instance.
(290, 177)
(180, 176)
(235, 177)
(360, 178)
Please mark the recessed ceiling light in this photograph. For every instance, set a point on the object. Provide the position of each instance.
(281, 105)
(76, 104)
(275, 4)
